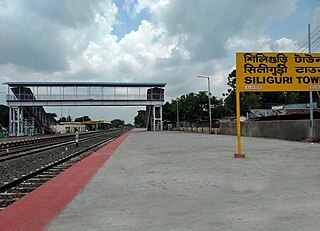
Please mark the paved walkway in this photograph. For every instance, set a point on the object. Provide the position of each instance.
(157, 181)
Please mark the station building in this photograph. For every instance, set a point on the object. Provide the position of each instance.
(69, 127)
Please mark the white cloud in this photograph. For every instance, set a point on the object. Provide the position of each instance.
(135, 53)
(145, 42)
(151, 5)
(262, 43)
(206, 25)
(43, 35)
(316, 16)
(68, 41)
(284, 44)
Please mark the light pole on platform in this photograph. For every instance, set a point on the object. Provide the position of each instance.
(178, 124)
(209, 94)
(177, 110)
(69, 117)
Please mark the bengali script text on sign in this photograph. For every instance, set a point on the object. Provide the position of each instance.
(278, 72)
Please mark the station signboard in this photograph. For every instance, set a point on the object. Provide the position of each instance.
(260, 72)
(278, 72)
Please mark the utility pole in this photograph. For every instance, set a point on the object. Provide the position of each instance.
(178, 124)
(209, 95)
(311, 132)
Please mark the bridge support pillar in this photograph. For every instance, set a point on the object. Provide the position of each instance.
(161, 123)
(157, 118)
(16, 123)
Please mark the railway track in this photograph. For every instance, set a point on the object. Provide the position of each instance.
(22, 145)
(20, 185)
(31, 149)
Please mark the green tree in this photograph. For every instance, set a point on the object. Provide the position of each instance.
(4, 116)
(169, 111)
(69, 119)
(62, 119)
(129, 125)
(140, 119)
(193, 107)
(248, 100)
(203, 104)
(82, 119)
(279, 98)
(300, 97)
(116, 123)
(230, 100)
(218, 109)
(52, 114)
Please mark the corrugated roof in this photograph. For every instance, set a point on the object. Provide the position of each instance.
(267, 112)
(301, 111)
(85, 84)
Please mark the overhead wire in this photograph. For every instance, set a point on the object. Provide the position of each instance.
(303, 45)
(315, 48)
(315, 45)
(304, 50)
(300, 45)
(317, 28)
(316, 41)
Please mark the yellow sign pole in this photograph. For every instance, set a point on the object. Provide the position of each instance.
(238, 154)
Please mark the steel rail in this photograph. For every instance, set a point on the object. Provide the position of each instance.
(37, 140)
(19, 180)
(5, 157)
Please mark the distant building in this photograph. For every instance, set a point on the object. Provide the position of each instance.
(93, 125)
(284, 112)
(69, 127)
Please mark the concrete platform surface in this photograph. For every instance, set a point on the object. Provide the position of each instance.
(187, 181)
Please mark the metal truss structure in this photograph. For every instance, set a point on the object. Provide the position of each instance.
(27, 99)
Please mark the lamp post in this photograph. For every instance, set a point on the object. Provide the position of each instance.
(311, 130)
(178, 124)
(177, 110)
(69, 117)
(208, 78)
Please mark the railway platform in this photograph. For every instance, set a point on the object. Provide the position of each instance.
(158, 181)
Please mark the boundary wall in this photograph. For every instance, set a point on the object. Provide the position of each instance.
(275, 129)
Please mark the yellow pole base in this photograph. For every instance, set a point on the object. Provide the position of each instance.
(239, 155)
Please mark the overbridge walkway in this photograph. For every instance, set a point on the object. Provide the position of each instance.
(84, 94)
(29, 98)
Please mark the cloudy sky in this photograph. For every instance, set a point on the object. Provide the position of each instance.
(169, 41)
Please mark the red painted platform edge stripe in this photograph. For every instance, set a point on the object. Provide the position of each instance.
(36, 210)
